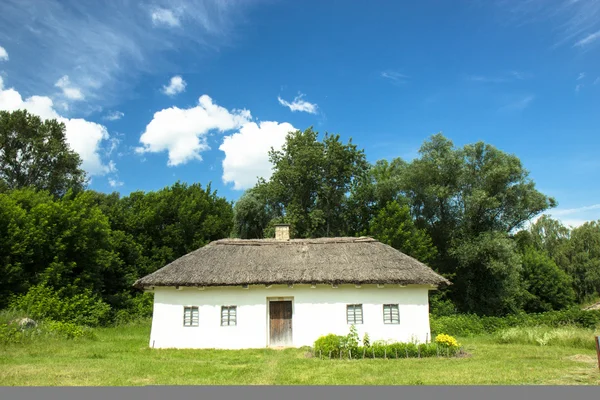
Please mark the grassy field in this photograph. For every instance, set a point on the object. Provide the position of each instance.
(120, 356)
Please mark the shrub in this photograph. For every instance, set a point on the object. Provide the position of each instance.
(329, 345)
(41, 302)
(466, 325)
(66, 330)
(336, 346)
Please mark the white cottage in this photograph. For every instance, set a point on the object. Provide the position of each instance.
(234, 294)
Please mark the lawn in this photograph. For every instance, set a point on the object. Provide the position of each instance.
(120, 356)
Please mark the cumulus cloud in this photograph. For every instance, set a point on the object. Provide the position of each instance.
(113, 116)
(182, 132)
(3, 54)
(114, 183)
(164, 16)
(176, 85)
(70, 91)
(84, 137)
(246, 152)
(299, 104)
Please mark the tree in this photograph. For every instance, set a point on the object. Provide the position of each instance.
(552, 237)
(488, 276)
(35, 154)
(394, 226)
(370, 192)
(310, 182)
(461, 193)
(584, 260)
(251, 216)
(548, 287)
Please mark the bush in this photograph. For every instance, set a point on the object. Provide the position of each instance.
(43, 303)
(329, 345)
(13, 333)
(466, 325)
(336, 346)
(66, 330)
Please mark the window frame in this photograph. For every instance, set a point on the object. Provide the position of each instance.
(354, 307)
(192, 309)
(391, 320)
(228, 309)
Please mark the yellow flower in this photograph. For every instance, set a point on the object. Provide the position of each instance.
(446, 340)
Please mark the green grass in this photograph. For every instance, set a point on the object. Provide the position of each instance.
(544, 336)
(120, 356)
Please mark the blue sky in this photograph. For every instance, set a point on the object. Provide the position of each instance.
(193, 90)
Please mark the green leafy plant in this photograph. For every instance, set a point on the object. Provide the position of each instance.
(366, 340)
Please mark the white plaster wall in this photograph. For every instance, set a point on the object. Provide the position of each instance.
(315, 312)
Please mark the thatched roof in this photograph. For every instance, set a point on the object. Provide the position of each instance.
(231, 262)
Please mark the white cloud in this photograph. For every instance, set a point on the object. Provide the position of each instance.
(508, 77)
(176, 85)
(299, 105)
(164, 16)
(69, 91)
(597, 80)
(578, 87)
(574, 217)
(246, 152)
(592, 37)
(3, 54)
(519, 104)
(113, 116)
(394, 76)
(568, 21)
(182, 132)
(114, 183)
(84, 137)
(578, 210)
(580, 76)
(102, 46)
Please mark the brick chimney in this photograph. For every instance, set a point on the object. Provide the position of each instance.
(282, 232)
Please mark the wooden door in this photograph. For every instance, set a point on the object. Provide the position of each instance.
(280, 323)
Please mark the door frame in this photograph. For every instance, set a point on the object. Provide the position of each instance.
(278, 298)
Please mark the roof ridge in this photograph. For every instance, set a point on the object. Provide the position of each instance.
(271, 241)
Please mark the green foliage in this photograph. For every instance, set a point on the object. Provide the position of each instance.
(488, 275)
(42, 303)
(251, 216)
(35, 154)
(583, 257)
(310, 182)
(545, 336)
(379, 349)
(440, 305)
(468, 325)
(366, 340)
(13, 333)
(67, 330)
(88, 245)
(329, 345)
(393, 225)
(548, 287)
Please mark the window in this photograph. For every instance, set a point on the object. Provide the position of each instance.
(228, 316)
(391, 314)
(190, 316)
(354, 314)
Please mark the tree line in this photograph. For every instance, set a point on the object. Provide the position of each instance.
(465, 211)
